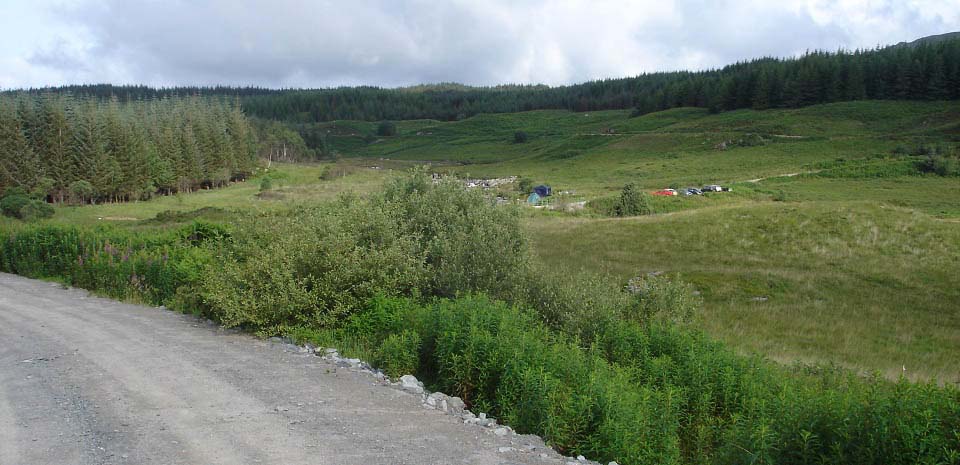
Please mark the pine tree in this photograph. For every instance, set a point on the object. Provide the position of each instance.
(19, 165)
(88, 144)
(855, 85)
(761, 94)
(53, 141)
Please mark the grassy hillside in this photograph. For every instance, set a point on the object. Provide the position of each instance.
(597, 153)
(832, 248)
(857, 266)
(866, 286)
(291, 184)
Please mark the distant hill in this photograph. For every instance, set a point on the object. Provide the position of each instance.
(930, 40)
(925, 69)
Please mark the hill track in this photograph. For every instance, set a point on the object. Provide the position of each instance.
(85, 380)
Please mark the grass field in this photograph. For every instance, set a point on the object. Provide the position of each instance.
(675, 147)
(293, 184)
(858, 265)
(862, 285)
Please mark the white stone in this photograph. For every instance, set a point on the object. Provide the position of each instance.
(410, 383)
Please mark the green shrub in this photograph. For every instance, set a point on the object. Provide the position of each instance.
(941, 165)
(151, 268)
(658, 393)
(525, 185)
(661, 298)
(81, 191)
(604, 206)
(633, 202)
(12, 204)
(579, 304)
(520, 137)
(399, 354)
(466, 241)
(312, 267)
(36, 209)
(266, 184)
(200, 232)
(386, 129)
(17, 203)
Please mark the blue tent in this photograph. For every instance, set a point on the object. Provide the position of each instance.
(534, 199)
(542, 190)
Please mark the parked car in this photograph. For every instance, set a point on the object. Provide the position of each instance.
(712, 188)
(692, 191)
(666, 192)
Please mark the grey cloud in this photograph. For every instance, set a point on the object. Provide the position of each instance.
(58, 56)
(381, 42)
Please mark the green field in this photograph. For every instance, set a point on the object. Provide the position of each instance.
(857, 264)
(859, 268)
(295, 184)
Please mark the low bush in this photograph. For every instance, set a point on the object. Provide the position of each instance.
(525, 185)
(205, 213)
(314, 266)
(12, 203)
(603, 206)
(266, 184)
(148, 268)
(940, 165)
(633, 202)
(35, 210)
(17, 203)
(387, 129)
(658, 298)
(655, 393)
(399, 354)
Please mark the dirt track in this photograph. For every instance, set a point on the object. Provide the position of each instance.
(85, 380)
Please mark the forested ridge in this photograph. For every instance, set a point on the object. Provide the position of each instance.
(110, 143)
(923, 70)
(65, 148)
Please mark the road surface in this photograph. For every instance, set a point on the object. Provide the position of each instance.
(86, 380)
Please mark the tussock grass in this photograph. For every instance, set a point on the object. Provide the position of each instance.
(866, 286)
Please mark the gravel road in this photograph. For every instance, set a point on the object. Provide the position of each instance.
(85, 380)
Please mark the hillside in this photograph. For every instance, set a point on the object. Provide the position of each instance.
(929, 40)
(596, 153)
(857, 236)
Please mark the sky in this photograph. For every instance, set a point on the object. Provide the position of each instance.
(391, 43)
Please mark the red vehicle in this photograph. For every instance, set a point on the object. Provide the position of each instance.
(666, 192)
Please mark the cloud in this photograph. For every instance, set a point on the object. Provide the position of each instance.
(289, 43)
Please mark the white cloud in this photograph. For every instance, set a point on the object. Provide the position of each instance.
(400, 42)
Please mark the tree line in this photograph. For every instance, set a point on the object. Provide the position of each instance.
(84, 149)
(924, 71)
